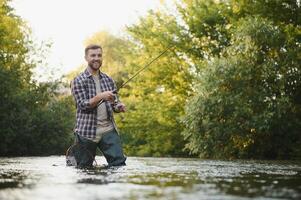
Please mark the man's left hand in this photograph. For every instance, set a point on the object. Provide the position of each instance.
(120, 107)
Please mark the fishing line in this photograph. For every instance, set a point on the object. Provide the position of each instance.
(148, 64)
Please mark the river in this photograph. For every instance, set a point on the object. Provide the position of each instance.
(48, 178)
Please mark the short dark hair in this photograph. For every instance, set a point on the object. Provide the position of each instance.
(92, 46)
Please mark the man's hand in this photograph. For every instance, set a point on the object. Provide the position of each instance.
(120, 107)
(103, 96)
(107, 96)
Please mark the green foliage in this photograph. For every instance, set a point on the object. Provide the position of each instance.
(248, 102)
(33, 120)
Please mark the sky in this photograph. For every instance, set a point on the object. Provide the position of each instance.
(67, 23)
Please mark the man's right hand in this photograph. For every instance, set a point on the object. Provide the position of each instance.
(102, 96)
(107, 96)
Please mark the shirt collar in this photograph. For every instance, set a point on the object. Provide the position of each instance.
(88, 74)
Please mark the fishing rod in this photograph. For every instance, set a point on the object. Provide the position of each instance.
(148, 64)
(138, 72)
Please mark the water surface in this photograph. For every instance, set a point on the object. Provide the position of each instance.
(41, 178)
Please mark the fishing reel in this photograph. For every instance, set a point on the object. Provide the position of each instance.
(116, 101)
(115, 96)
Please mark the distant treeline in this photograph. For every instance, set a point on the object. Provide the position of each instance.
(230, 87)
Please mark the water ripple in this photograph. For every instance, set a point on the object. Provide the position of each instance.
(41, 178)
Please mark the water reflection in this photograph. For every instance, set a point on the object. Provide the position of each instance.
(166, 179)
(149, 178)
(11, 179)
(97, 181)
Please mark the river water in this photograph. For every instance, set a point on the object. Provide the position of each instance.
(41, 178)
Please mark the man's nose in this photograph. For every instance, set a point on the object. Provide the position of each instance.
(97, 58)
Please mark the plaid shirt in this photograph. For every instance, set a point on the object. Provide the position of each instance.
(83, 89)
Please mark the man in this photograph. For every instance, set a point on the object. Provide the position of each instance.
(93, 92)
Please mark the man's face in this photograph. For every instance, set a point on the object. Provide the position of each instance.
(94, 58)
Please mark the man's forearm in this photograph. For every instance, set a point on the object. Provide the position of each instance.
(106, 96)
(94, 101)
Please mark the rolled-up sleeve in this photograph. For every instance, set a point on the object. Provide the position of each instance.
(80, 96)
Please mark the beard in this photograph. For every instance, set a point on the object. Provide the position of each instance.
(95, 65)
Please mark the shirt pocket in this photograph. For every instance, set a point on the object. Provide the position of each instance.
(90, 87)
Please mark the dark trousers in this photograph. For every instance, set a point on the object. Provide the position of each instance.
(109, 145)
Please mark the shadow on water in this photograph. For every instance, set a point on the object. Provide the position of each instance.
(149, 178)
(97, 175)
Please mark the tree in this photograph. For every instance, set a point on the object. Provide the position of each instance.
(247, 103)
(31, 123)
